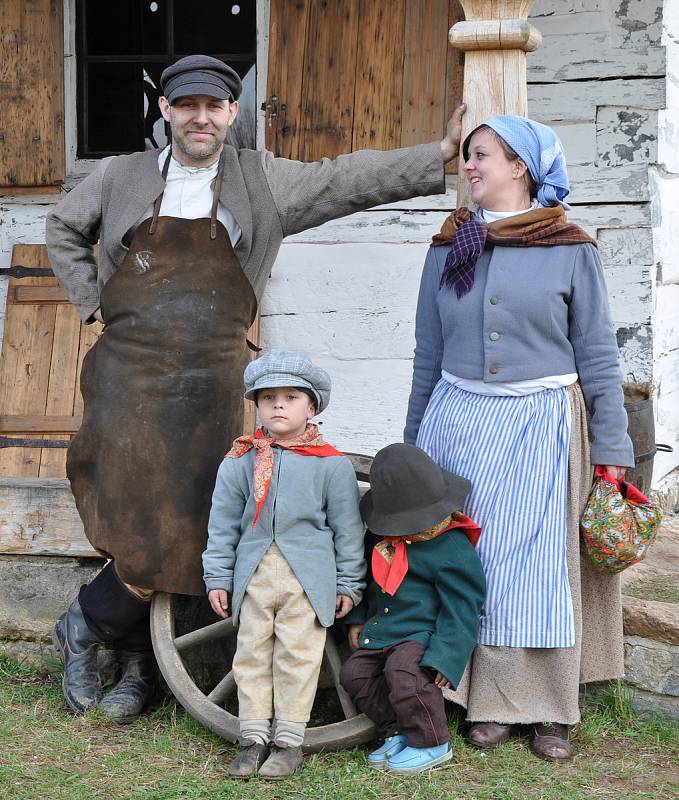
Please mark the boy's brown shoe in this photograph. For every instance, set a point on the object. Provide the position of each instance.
(282, 762)
(248, 761)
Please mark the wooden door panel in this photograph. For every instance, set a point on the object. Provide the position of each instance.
(350, 74)
(287, 38)
(379, 85)
(329, 78)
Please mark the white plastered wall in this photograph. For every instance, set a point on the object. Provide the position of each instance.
(665, 193)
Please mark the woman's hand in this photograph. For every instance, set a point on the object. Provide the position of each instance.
(219, 600)
(615, 472)
(343, 605)
(441, 681)
(450, 145)
(353, 635)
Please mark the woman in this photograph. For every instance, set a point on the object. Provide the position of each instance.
(513, 328)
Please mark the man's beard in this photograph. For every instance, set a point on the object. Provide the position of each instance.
(197, 150)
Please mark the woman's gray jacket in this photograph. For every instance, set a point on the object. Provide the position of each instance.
(532, 312)
(311, 511)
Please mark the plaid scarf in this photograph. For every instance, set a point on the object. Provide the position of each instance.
(539, 227)
(390, 556)
(309, 443)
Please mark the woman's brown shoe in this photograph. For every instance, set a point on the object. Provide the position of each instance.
(488, 734)
(549, 740)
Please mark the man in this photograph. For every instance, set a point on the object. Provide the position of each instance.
(187, 240)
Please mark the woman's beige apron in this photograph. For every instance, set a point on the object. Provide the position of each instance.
(163, 398)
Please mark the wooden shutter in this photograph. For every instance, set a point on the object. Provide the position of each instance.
(43, 347)
(31, 95)
(349, 74)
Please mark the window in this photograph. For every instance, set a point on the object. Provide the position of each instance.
(124, 46)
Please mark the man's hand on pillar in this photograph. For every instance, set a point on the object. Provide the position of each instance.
(450, 145)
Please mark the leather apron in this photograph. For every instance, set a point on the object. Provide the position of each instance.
(163, 398)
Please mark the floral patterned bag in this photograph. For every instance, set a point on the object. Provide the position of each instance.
(619, 524)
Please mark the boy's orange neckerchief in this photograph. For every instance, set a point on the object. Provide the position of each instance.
(390, 556)
(308, 443)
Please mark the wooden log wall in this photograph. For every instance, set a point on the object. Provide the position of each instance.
(599, 79)
(346, 292)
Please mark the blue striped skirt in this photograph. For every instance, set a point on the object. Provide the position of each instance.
(514, 450)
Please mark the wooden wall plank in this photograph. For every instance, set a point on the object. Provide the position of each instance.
(379, 71)
(25, 361)
(88, 336)
(32, 93)
(329, 77)
(287, 35)
(424, 71)
(62, 384)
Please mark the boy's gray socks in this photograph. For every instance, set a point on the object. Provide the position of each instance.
(289, 733)
(255, 730)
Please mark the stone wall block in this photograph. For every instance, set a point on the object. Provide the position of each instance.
(35, 591)
(653, 666)
(651, 619)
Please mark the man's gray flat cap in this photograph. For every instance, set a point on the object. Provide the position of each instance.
(200, 75)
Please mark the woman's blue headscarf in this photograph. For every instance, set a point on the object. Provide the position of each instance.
(542, 152)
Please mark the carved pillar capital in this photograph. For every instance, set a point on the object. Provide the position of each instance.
(495, 37)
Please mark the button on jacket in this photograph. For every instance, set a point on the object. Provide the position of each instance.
(311, 511)
(532, 312)
(437, 604)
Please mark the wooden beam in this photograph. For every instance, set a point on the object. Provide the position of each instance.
(38, 518)
(37, 423)
(36, 295)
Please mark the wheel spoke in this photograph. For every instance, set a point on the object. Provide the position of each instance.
(223, 689)
(335, 663)
(214, 631)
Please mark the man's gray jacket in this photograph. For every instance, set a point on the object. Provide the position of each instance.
(269, 197)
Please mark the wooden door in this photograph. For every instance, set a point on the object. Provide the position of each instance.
(345, 75)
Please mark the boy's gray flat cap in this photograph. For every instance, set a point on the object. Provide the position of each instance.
(283, 368)
(200, 75)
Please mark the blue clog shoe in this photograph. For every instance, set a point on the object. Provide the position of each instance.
(410, 760)
(392, 745)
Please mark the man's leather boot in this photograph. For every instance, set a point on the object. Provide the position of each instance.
(125, 702)
(78, 646)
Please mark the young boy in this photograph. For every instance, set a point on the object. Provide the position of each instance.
(417, 626)
(284, 556)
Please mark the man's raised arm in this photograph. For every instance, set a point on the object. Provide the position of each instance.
(309, 194)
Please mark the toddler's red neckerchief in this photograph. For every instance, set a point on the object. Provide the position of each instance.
(309, 443)
(390, 556)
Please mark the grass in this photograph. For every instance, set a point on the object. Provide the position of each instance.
(662, 588)
(47, 754)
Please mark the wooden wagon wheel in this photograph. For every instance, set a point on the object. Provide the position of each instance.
(209, 709)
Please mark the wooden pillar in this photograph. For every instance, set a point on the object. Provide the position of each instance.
(495, 36)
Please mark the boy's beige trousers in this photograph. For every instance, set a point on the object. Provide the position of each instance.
(279, 647)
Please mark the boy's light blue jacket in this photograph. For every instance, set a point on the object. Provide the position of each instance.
(311, 510)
